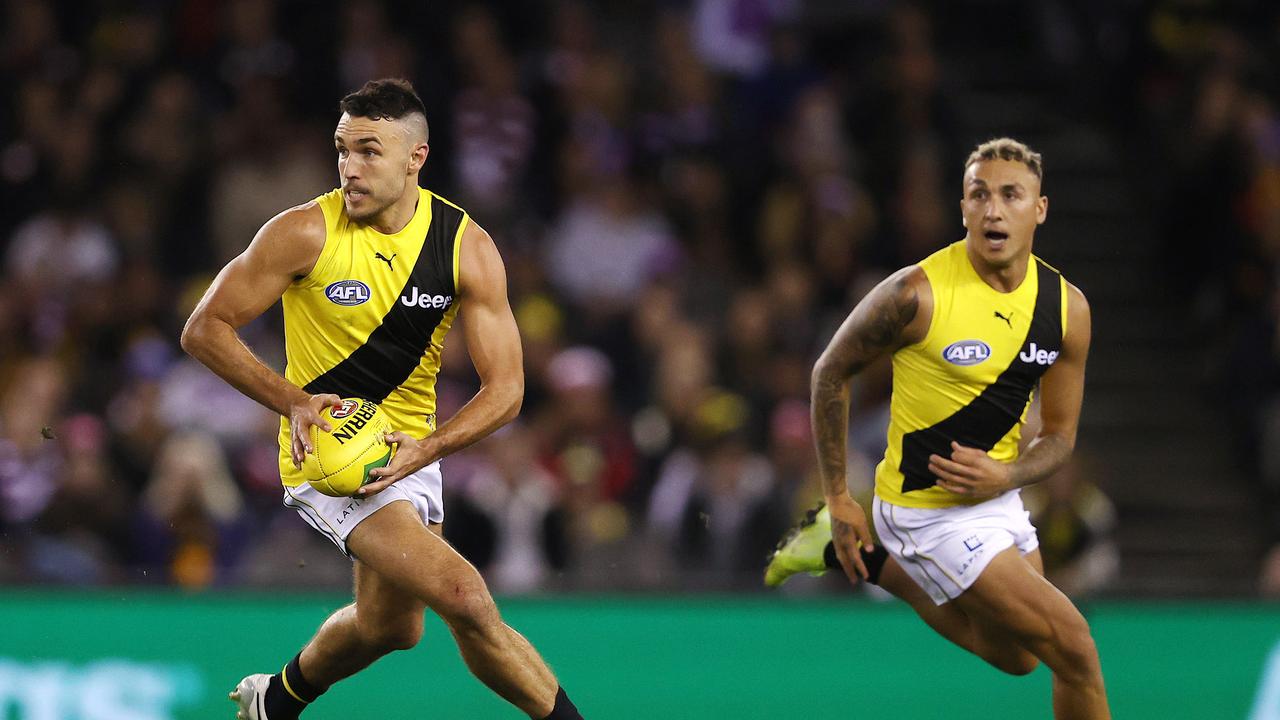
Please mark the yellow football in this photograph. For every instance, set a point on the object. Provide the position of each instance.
(341, 459)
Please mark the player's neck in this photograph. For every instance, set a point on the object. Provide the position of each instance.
(1002, 277)
(396, 216)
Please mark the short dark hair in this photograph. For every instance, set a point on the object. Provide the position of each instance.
(388, 98)
(1007, 149)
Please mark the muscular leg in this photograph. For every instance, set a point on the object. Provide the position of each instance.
(1011, 598)
(394, 544)
(383, 619)
(999, 649)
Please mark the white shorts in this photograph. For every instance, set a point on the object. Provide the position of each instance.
(336, 517)
(945, 549)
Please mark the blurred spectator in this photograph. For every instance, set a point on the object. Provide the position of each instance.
(190, 528)
(370, 48)
(31, 464)
(493, 123)
(81, 537)
(607, 246)
(587, 447)
(271, 163)
(53, 253)
(716, 507)
(519, 541)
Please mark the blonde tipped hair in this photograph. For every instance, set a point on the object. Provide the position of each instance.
(1007, 149)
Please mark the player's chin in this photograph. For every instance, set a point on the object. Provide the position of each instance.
(361, 208)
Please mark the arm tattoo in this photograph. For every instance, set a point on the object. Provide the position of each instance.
(1043, 458)
(873, 328)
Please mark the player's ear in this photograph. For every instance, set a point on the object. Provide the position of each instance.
(963, 221)
(1042, 209)
(418, 157)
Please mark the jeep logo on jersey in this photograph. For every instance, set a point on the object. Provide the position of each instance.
(347, 292)
(348, 407)
(1038, 356)
(966, 352)
(423, 300)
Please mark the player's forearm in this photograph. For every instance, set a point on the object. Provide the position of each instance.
(494, 406)
(829, 398)
(217, 345)
(1042, 458)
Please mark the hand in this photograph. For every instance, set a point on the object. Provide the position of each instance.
(411, 455)
(302, 416)
(971, 472)
(848, 528)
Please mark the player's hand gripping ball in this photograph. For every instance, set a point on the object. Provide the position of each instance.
(341, 459)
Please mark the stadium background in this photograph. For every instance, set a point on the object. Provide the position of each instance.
(689, 197)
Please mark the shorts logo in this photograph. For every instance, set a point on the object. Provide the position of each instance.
(348, 407)
(347, 292)
(966, 352)
(348, 511)
(972, 543)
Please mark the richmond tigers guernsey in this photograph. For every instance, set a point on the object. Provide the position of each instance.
(972, 377)
(369, 320)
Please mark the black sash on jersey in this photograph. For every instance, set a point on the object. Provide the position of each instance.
(993, 413)
(395, 348)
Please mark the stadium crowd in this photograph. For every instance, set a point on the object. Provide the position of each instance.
(1210, 110)
(688, 196)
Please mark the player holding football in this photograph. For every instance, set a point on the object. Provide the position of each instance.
(371, 276)
(972, 330)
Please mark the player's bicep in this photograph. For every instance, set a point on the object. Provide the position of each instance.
(285, 248)
(493, 340)
(888, 318)
(242, 292)
(1062, 386)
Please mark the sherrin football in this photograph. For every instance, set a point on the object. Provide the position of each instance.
(342, 458)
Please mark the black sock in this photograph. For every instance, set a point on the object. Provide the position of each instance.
(874, 561)
(289, 693)
(564, 709)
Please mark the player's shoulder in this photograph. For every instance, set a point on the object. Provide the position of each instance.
(304, 223)
(909, 280)
(294, 238)
(1077, 304)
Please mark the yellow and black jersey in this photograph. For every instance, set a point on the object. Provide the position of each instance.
(369, 320)
(972, 378)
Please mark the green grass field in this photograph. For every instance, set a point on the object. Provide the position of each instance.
(148, 656)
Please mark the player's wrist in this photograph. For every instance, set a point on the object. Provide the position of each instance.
(1015, 477)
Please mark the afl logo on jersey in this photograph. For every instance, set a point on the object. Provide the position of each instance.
(966, 352)
(347, 292)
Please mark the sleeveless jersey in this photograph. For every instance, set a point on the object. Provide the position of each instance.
(972, 378)
(369, 320)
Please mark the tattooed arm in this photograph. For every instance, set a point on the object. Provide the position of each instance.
(894, 314)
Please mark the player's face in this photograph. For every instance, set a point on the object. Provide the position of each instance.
(1001, 208)
(375, 160)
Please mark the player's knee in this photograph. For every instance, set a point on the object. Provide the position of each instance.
(1078, 650)
(470, 608)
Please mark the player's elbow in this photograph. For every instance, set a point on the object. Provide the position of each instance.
(514, 395)
(516, 405)
(825, 375)
(195, 334)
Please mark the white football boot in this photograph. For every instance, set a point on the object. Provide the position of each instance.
(249, 695)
